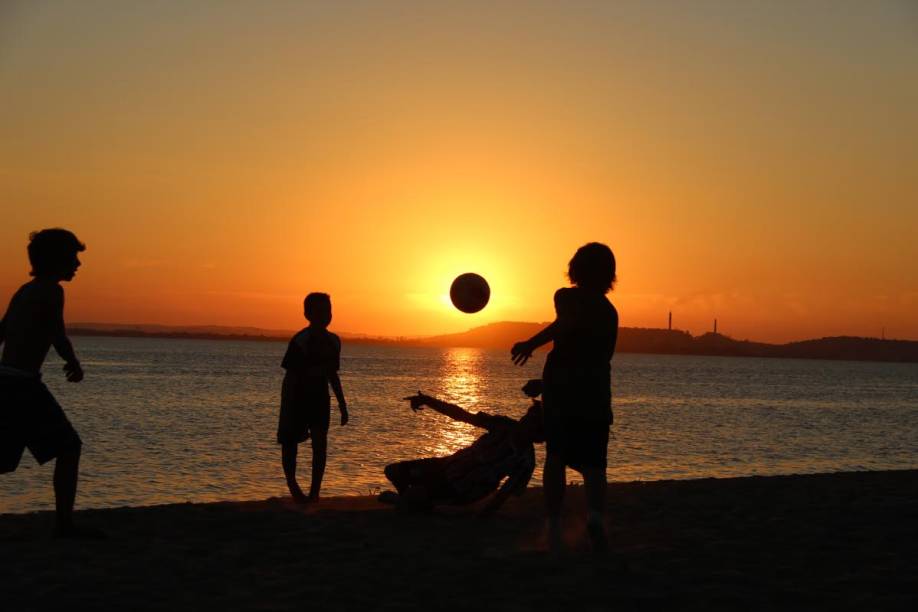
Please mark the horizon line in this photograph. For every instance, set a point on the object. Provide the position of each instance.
(274, 332)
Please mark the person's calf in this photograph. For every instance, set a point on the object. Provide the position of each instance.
(66, 475)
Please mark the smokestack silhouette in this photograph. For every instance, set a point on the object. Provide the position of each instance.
(670, 321)
(715, 326)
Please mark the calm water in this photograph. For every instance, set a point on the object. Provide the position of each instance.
(194, 420)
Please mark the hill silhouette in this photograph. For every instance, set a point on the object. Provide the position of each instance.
(502, 336)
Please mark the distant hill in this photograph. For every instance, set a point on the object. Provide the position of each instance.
(493, 335)
(678, 342)
(503, 335)
(160, 330)
(207, 332)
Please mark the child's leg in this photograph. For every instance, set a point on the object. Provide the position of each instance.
(553, 483)
(319, 452)
(66, 474)
(288, 459)
(398, 475)
(594, 481)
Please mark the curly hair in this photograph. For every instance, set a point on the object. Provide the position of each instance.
(593, 267)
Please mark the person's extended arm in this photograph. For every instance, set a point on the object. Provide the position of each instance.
(335, 382)
(522, 351)
(445, 408)
(61, 342)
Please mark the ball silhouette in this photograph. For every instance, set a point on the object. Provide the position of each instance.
(469, 292)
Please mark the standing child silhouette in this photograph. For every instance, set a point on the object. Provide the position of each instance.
(30, 417)
(312, 362)
(577, 396)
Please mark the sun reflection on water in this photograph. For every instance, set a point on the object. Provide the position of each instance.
(461, 382)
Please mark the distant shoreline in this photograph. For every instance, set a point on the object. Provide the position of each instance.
(631, 340)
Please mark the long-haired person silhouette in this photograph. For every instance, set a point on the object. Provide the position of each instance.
(577, 397)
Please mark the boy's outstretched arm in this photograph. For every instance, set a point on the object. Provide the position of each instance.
(445, 408)
(335, 382)
(522, 351)
(61, 342)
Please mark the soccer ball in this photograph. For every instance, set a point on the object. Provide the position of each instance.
(469, 292)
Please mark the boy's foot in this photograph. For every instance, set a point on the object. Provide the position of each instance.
(388, 497)
(297, 493)
(72, 532)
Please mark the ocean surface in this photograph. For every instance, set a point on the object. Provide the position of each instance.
(166, 420)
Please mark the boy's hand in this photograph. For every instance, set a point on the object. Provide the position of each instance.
(417, 401)
(521, 352)
(344, 415)
(73, 371)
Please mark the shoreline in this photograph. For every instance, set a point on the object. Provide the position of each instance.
(633, 340)
(842, 540)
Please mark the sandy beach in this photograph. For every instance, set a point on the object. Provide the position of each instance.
(834, 541)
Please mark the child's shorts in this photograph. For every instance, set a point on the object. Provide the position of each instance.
(304, 408)
(31, 418)
(577, 427)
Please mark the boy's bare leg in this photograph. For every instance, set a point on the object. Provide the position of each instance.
(319, 453)
(553, 482)
(66, 474)
(594, 481)
(288, 459)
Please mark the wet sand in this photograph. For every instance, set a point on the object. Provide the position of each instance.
(835, 541)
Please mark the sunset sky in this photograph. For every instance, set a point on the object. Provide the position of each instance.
(756, 162)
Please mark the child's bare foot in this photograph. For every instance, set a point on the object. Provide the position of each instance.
(297, 493)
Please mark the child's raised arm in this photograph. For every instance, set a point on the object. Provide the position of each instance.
(445, 408)
(522, 351)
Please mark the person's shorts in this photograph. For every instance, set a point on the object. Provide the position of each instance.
(577, 429)
(303, 409)
(31, 418)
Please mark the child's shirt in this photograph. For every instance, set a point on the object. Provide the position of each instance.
(587, 330)
(312, 356)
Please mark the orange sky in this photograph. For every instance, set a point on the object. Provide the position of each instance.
(757, 163)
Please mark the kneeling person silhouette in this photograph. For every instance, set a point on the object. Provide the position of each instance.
(505, 453)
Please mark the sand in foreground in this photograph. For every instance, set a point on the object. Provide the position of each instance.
(841, 541)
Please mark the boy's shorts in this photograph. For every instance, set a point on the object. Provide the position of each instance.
(577, 426)
(31, 418)
(304, 408)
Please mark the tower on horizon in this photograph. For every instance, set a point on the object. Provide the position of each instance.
(715, 326)
(670, 321)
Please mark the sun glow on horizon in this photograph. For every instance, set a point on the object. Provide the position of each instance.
(750, 163)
